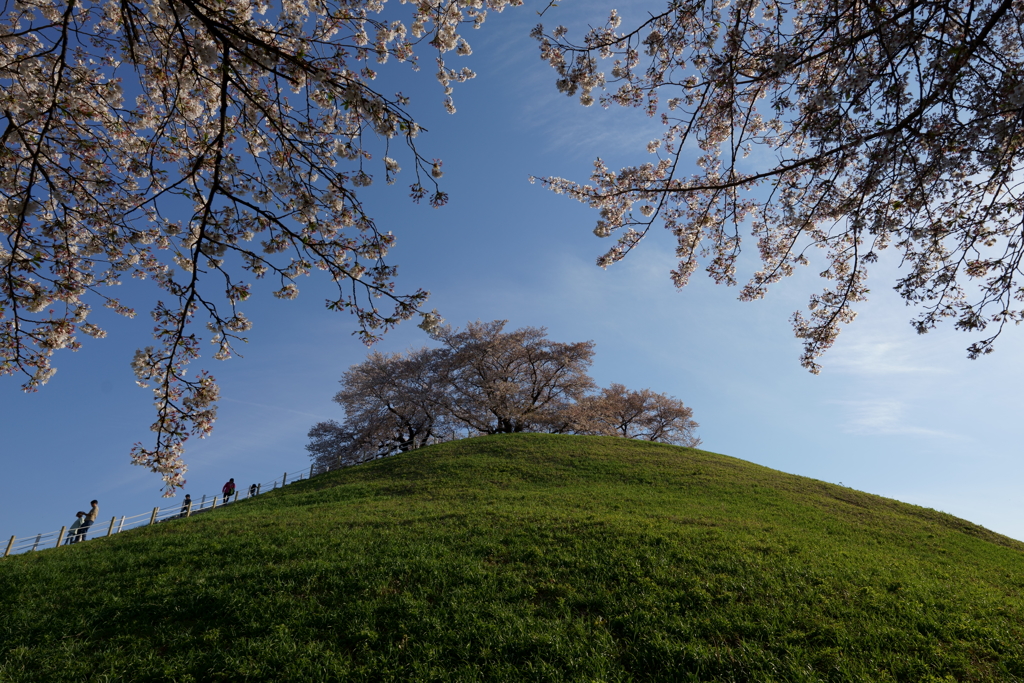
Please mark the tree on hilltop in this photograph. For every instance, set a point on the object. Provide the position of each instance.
(503, 382)
(644, 415)
(860, 126)
(484, 380)
(392, 402)
(202, 146)
(331, 445)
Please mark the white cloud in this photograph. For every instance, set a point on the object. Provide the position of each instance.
(275, 409)
(885, 417)
(879, 356)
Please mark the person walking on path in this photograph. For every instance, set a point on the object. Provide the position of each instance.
(228, 490)
(185, 504)
(252, 490)
(73, 531)
(90, 517)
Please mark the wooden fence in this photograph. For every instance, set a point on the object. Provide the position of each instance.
(66, 536)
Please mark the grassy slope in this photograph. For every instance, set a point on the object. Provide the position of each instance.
(529, 557)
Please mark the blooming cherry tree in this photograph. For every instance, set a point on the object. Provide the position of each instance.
(202, 144)
(874, 125)
(499, 382)
(643, 414)
(484, 380)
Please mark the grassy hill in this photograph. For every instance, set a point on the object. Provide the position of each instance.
(529, 558)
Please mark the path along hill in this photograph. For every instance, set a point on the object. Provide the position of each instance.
(529, 558)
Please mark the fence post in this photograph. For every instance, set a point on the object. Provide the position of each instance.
(121, 525)
(188, 511)
(202, 502)
(310, 472)
(152, 518)
(258, 487)
(284, 479)
(60, 536)
(236, 497)
(36, 544)
(10, 544)
(111, 529)
(214, 506)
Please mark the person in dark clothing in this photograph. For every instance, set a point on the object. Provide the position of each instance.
(252, 490)
(185, 504)
(228, 490)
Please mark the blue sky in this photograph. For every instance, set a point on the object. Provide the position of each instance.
(893, 413)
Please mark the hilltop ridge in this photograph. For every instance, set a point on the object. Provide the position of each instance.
(529, 557)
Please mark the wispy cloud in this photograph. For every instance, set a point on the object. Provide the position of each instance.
(558, 120)
(878, 417)
(568, 127)
(876, 356)
(276, 409)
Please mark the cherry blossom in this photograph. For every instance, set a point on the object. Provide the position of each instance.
(203, 145)
(893, 125)
(484, 380)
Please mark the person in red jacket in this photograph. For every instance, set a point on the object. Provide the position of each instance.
(228, 490)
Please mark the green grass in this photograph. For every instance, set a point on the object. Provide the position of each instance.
(529, 558)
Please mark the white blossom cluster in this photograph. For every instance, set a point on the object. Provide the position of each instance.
(484, 380)
(891, 124)
(201, 146)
